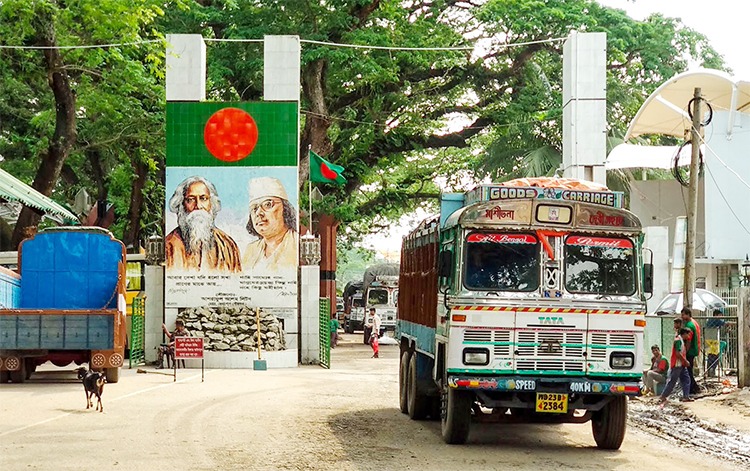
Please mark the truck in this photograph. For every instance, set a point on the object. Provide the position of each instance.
(65, 304)
(354, 307)
(380, 287)
(524, 302)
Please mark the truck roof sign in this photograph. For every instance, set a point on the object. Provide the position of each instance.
(612, 199)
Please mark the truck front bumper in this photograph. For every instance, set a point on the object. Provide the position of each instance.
(581, 386)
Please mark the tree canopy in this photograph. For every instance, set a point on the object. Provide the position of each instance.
(404, 123)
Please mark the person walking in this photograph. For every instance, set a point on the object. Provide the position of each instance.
(678, 365)
(693, 346)
(334, 326)
(374, 324)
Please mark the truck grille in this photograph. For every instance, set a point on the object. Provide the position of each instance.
(609, 338)
(556, 365)
(488, 336)
(537, 343)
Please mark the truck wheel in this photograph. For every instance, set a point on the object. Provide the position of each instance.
(609, 424)
(456, 416)
(19, 376)
(403, 375)
(112, 374)
(366, 336)
(418, 404)
(30, 367)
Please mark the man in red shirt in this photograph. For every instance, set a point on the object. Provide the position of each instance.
(678, 364)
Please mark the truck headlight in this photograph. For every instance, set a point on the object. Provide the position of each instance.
(476, 356)
(621, 360)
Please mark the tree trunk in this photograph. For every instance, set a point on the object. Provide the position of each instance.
(65, 134)
(132, 234)
(95, 160)
(315, 132)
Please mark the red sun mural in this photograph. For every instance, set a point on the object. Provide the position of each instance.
(230, 134)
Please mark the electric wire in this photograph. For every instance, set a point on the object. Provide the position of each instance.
(718, 188)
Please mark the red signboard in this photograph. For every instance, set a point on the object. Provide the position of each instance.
(501, 238)
(599, 242)
(188, 347)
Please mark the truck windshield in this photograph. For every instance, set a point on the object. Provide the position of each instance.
(377, 296)
(599, 265)
(358, 302)
(503, 262)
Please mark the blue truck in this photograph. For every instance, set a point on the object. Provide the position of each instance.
(66, 303)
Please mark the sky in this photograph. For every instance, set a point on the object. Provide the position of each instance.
(721, 21)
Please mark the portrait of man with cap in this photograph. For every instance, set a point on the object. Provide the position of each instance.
(196, 243)
(273, 220)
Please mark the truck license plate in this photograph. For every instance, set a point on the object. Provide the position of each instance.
(552, 403)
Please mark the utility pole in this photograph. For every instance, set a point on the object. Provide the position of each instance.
(692, 210)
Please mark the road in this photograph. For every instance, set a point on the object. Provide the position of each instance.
(306, 418)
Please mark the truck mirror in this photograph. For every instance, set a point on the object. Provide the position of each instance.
(648, 278)
(445, 262)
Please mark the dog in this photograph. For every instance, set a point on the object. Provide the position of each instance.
(93, 385)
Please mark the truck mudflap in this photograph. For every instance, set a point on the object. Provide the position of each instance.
(626, 387)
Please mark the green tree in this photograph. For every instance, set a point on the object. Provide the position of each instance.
(398, 120)
(83, 118)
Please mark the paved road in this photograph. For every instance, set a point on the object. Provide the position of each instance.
(345, 418)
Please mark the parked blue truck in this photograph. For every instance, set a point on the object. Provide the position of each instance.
(66, 303)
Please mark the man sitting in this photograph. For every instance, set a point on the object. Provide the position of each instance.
(657, 374)
(166, 350)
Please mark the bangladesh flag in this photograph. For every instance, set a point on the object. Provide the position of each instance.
(323, 171)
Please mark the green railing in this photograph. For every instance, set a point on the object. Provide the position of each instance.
(137, 332)
(324, 314)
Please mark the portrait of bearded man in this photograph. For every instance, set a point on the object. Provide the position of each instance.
(196, 243)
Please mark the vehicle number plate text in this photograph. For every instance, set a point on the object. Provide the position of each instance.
(552, 403)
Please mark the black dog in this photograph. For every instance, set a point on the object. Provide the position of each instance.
(93, 385)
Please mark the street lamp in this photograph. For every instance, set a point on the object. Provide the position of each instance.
(746, 271)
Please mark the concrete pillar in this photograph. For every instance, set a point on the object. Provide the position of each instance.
(186, 67)
(310, 320)
(743, 337)
(154, 310)
(281, 68)
(327, 229)
(585, 106)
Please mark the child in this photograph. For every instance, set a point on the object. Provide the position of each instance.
(334, 326)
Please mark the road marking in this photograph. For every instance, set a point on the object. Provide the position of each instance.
(134, 393)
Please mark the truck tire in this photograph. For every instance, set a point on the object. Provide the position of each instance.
(455, 419)
(366, 336)
(30, 367)
(610, 423)
(418, 403)
(112, 374)
(19, 376)
(403, 375)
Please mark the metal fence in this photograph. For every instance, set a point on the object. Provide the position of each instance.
(324, 314)
(719, 342)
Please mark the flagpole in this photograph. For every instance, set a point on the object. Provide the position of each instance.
(309, 187)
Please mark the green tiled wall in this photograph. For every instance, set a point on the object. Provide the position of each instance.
(277, 134)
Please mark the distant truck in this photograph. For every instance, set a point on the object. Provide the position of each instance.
(380, 287)
(65, 305)
(354, 307)
(524, 302)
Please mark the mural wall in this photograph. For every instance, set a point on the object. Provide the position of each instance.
(232, 221)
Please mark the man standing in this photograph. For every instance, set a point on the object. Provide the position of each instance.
(693, 346)
(374, 324)
(334, 327)
(678, 364)
(274, 221)
(196, 243)
(657, 373)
